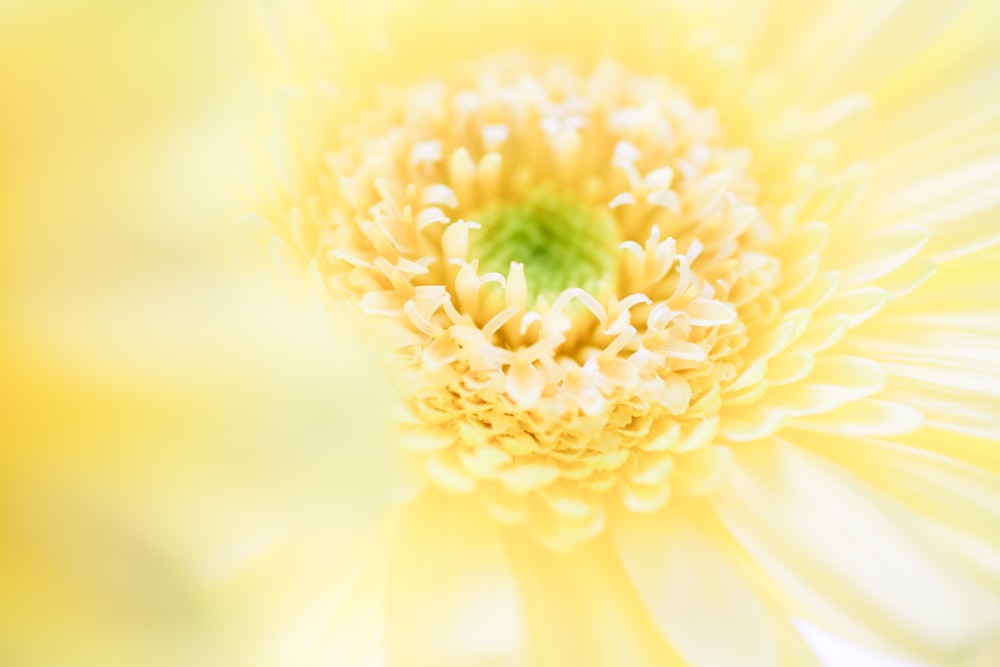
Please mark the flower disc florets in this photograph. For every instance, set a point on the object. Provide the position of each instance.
(580, 279)
(560, 244)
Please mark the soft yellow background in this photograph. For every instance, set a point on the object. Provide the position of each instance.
(171, 425)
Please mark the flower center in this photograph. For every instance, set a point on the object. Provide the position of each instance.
(561, 244)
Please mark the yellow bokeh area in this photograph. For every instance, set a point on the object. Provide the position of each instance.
(166, 413)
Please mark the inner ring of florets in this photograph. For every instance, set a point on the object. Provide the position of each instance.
(549, 377)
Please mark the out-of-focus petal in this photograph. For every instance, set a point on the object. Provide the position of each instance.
(687, 576)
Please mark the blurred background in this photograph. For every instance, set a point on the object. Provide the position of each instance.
(175, 433)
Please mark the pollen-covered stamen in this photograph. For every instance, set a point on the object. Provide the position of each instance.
(560, 243)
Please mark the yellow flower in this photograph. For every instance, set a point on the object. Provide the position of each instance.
(690, 307)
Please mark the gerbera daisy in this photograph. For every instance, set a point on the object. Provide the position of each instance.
(688, 309)
(691, 310)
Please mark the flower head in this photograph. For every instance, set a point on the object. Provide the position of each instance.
(635, 287)
(583, 283)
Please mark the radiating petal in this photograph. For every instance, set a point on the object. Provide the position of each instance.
(865, 417)
(848, 45)
(686, 575)
(583, 609)
(841, 555)
(955, 505)
(452, 598)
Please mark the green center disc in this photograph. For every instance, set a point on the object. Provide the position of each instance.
(561, 243)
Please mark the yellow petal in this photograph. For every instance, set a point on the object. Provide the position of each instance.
(865, 417)
(701, 471)
(684, 574)
(452, 598)
(871, 256)
(584, 588)
(787, 507)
